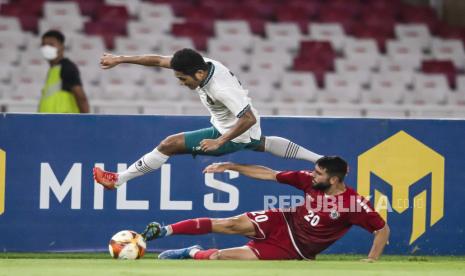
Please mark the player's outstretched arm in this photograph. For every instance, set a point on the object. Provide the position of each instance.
(381, 239)
(108, 61)
(246, 121)
(254, 171)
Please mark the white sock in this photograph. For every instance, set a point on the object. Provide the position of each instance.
(148, 163)
(193, 252)
(284, 148)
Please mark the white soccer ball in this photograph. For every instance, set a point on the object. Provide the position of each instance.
(127, 245)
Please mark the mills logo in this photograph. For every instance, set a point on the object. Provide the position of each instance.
(2, 180)
(402, 161)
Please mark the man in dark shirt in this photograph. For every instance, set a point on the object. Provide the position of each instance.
(331, 208)
(63, 91)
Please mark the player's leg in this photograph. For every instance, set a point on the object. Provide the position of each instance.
(171, 145)
(282, 147)
(196, 252)
(238, 225)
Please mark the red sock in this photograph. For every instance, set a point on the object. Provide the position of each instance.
(205, 254)
(197, 226)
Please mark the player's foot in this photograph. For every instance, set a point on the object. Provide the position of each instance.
(176, 254)
(153, 231)
(106, 179)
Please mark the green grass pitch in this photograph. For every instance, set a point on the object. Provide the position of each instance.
(51, 264)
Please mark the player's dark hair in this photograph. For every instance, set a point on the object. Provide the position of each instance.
(334, 166)
(55, 34)
(188, 61)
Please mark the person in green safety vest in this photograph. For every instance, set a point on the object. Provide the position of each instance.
(63, 92)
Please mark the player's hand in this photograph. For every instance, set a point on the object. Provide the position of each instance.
(368, 260)
(210, 144)
(216, 167)
(108, 61)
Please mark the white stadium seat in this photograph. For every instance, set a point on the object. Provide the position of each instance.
(364, 51)
(407, 54)
(451, 49)
(417, 35)
(298, 87)
(332, 32)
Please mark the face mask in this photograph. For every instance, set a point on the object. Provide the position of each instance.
(49, 52)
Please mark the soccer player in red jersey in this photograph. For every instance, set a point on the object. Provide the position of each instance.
(331, 208)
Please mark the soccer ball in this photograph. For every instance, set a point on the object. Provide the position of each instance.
(127, 245)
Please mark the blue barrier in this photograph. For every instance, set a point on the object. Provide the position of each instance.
(48, 201)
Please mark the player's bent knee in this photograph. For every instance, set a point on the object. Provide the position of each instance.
(170, 145)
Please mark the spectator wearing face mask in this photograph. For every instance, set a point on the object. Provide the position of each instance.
(63, 92)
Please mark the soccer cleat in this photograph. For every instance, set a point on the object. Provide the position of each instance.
(153, 230)
(177, 254)
(106, 179)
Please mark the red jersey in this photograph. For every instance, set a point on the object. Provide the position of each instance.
(324, 219)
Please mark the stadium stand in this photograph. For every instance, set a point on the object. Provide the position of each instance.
(296, 57)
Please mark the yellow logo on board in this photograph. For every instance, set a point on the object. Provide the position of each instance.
(401, 161)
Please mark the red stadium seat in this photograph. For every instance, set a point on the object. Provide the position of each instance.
(179, 6)
(379, 20)
(294, 14)
(310, 7)
(376, 33)
(351, 7)
(89, 8)
(420, 14)
(445, 67)
(193, 30)
(337, 15)
(110, 13)
(316, 57)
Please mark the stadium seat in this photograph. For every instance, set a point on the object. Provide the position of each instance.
(424, 14)
(196, 32)
(136, 46)
(332, 32)
(334, 14)
(385, 111)
(65, 25)
(171, 45)
(451, 49)
(293, 14)
(445, 67)
(458, 96)
(9, 24)
(9, 56)
(61, 10)
(270, 64)
(118, 92)
(266, 46)
(353, 70)
(371, 32)
(234, 29)
(20, 105)
(147, 30)
(259, 87)
(132, 6)
(340, 89)
(155, 12)
(116, 107)
(417, 35)
(194, 108)
(25, 91)
(397, 70)
(161, 108)
(218, 47)
(282, 31)
(430, 89)
(163, 86)
(364, 51)
(341, 110)
(385, 89)
(298, 87)
(409, 55)
(12, 40)
(32, 58)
